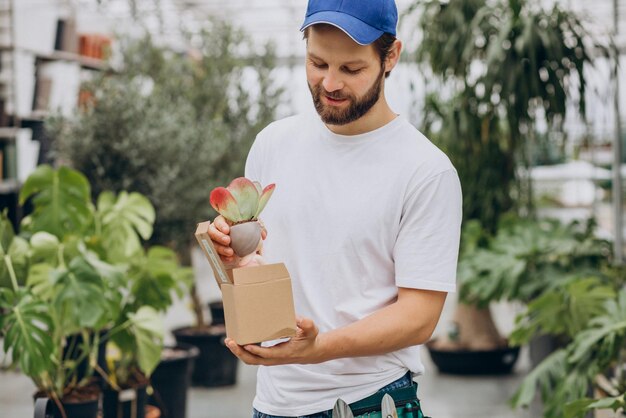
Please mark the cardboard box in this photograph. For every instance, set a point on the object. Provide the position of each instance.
(258, 301)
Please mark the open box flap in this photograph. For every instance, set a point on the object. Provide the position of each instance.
(258, 274)
(202, 235)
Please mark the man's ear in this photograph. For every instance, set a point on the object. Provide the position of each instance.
(394, 56)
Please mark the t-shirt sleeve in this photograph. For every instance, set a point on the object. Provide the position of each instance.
(254, 161)
(427, 247)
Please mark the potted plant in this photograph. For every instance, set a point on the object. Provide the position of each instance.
(88, 264)
(58, 297)
(507, 65)
(169, 124)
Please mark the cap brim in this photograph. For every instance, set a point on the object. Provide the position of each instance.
(359, 31)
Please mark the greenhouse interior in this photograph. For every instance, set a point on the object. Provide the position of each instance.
(121, 120)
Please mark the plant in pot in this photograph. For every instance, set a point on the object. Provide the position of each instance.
(503, 67)
(151, 278)
(55, 309)
(124, 138)
(523, 261)
(240, 204)
(91, 258)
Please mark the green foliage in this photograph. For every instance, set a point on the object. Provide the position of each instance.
(14, 251)
(172, 125)
(78, 276)
(565, 310)
(506, 63)
(527, 258)
(566, 376)
(27, 336)
(59, 201)
(124, 222)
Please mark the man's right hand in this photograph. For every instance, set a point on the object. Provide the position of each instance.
(219, 232)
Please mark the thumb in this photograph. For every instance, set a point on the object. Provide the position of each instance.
(306, 327)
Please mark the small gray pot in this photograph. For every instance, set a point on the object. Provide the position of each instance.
(245, 237)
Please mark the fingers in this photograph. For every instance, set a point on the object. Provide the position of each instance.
(221, 224)
(263, 229)
(244, 355)
(218, 232)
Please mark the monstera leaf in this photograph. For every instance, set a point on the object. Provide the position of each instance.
(26, 329)
(61, 201)
(147, 328)
(156, 276)
(78, 293)
(125, 220)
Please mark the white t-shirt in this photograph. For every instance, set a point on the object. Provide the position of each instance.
(353, 218)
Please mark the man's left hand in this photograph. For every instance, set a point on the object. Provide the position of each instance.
(304, 348)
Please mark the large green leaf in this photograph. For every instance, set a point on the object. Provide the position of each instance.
(27, 331)
(79, 297)
(156, 276)
(564, 311)
(45, 248)
(61, 201)
(605, 336)
(580, 407)
(125, 220)
(147, 328)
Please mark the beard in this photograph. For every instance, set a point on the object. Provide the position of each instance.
(357, 107)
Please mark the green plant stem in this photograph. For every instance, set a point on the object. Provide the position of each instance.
(60, 256)
(9, 264)
(117, 329)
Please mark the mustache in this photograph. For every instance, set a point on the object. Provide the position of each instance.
(336, 95)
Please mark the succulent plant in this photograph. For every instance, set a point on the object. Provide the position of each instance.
(240, 204)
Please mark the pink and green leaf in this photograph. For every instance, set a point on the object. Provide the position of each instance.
(225, 204)
(245, 193)
(265, 196)
(258, 186)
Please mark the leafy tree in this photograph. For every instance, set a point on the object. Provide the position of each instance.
(172, 125)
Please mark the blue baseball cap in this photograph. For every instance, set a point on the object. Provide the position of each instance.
(362, 20)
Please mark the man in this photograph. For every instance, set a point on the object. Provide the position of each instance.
(366, 216)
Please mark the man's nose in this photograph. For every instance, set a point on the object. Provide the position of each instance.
(332, 81)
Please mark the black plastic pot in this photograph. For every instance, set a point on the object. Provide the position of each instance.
(127, 403)
(540, 347)
(171, 380)
(216, 365)
(467, 362)
(217, 312)
(47, 408)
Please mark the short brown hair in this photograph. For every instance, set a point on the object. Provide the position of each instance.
(381, 45)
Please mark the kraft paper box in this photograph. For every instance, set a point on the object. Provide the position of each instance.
(258, 301)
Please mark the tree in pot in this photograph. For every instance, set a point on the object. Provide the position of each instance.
(168, 124)
(507, 65)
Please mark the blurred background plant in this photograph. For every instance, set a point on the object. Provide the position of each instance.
(172, 125)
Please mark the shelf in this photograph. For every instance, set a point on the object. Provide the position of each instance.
(9, 186)
(37, 115)
(8, 134)
(85, 62)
